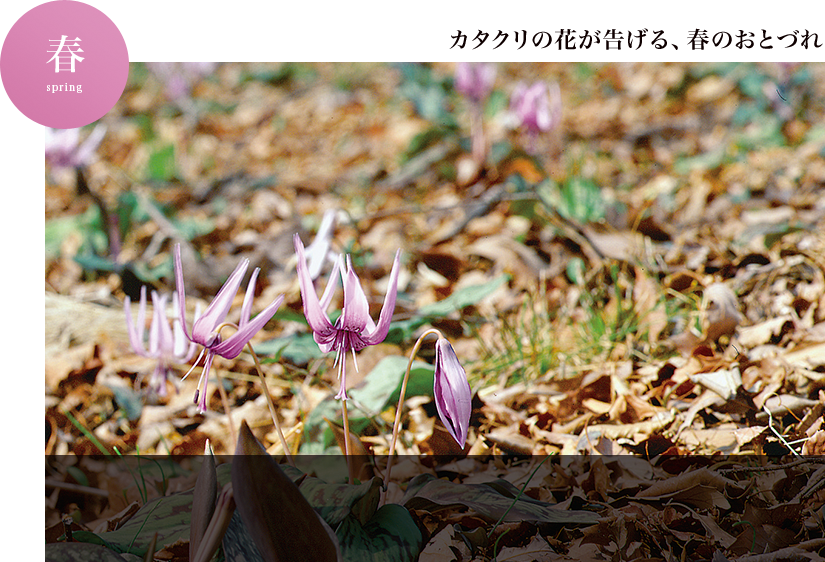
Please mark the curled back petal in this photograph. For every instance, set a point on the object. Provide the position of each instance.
(356, 311)
(231, 347)
(318, 249)
(181, 293)
(163, 339)
(215, 313)
(246, 309)
(135, 332)
(315, 315)
(379, 333)
(332, 283)
(183, 349)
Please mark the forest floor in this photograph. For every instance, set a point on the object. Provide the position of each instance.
(643, 283)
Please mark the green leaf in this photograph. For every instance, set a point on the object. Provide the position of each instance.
(705, 161)
(400, 331)
(764, 131)
(79, 476)
(188, 228)
(334, 502)
(427, 92)
(500, 151)
(129, 401)
(168, 516)
(751, 85)
(498, 101)
(575, 270)
(490, 500)
(85, 225)
(380, 389)
(80, 552)
(424, 140)
(91, 262)
(161, 165)
(582, 200)
(745, 113)
(144, 125)
(283, 75)
(382, 386)
(390, 536)
(297, 348)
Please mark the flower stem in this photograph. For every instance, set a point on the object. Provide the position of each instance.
(347, 447)
(269, 402)
(397, 421)
(478, 141)
(271, 406)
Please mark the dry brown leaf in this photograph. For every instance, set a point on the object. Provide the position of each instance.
(443, 546)
(815, 444)
(722, 312)
(536, 549)
(758, 334)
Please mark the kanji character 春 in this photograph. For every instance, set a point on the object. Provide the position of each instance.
(698, 38)
(64, 51)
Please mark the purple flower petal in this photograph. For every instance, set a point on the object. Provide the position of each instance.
(246, 309)
(354, 329)
(332, 283)
(232, 346)
(161, 340)
(453, 397)
(136, 331)
(314, 313)
(379, 333)
(356, 310)
(203, 383)
(475, 79)
(181, 292)
(184, 349)
(318, 250)
(203, 330)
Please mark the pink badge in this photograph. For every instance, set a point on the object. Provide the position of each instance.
(64, 64)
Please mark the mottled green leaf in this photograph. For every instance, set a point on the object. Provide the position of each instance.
(80, 552)
(334, 502)
(391, 535)
(169, 517)
(490, 500)
(382, 386)
(581, 200)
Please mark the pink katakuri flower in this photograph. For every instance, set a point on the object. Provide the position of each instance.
(475, 80)
(453, 397)
(537, 107)
(354, 329)
(166, 344)
(64, 149)
(205, 328)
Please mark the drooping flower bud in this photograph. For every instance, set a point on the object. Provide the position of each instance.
(453, 397)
